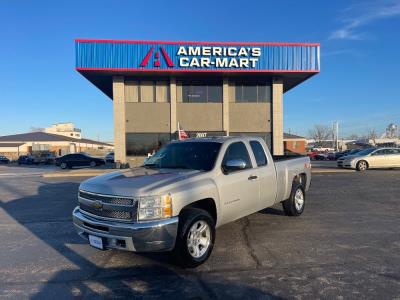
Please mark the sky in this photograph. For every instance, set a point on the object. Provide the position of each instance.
(358, 85)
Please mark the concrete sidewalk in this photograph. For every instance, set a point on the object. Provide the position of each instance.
(78, 173)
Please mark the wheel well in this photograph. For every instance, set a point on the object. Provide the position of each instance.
(363, 161)
(207, 204)
(301, 178)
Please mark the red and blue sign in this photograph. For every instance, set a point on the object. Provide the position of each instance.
(155, 56)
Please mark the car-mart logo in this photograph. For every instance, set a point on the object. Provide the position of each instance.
(167, 59)
(205, 57)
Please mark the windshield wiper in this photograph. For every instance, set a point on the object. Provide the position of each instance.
(175, 167)
(150, 165)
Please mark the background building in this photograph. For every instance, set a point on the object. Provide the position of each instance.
(294, 143)
(210, 88)
(15, 145)
(66, 129)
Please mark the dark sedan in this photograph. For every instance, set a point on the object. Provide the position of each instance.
(26, 160)
(78, 160)
(4, 160)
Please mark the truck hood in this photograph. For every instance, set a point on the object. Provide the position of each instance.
(135, 182)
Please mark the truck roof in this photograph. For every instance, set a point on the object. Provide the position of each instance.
(218, 139)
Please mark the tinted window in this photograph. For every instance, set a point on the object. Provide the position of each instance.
(265, 136)
(201, 92)
(393, 151)
(380, 152)
(249, 93)
(366, 151)
(186, 155)
(237, 151)
(141, 144)
(252, 92)
(259, 153)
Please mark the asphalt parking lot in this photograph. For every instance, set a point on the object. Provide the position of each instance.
(345, 245)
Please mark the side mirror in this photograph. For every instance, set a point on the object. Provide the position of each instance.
(234, 165)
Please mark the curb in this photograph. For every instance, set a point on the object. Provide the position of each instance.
(327, 170)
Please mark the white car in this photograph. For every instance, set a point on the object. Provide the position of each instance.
(371, 158)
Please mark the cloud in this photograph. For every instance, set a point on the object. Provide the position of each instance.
(362, 15)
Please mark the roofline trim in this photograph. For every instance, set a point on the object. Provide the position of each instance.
(78, 40)
(79, 69)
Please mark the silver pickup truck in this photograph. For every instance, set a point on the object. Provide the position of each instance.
(182, 193)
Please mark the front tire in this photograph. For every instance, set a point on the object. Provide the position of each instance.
(92, 164)
(195, 238)
(362, 166)
(63, 165)
(294, 206)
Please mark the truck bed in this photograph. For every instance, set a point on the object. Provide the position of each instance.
(286, 157)
(287, 167)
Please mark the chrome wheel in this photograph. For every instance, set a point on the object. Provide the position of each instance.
(362, 165)
(299, 199)
(198, 239)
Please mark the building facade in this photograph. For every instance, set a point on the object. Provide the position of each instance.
(66, 129)
(208, 88)
(12, 146)
(294, 143)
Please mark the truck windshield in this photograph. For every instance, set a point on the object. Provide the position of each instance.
(185, 155)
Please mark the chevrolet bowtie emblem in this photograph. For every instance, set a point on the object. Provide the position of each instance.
(97, 205)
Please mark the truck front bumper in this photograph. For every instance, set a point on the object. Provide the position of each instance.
(152, 236)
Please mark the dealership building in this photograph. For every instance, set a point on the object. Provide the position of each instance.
(208, 88)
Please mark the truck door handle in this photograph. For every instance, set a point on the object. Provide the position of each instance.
(252, 177)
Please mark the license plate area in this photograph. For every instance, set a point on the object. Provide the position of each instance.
(96, 242)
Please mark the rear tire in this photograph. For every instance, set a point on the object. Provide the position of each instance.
(294, 206)
(362, 166)
(92, 164)
(195, 237)
(63, 165)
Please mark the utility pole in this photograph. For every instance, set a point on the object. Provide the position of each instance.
(335, 133)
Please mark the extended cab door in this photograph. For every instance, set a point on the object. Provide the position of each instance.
(239, 189)
(266, 174)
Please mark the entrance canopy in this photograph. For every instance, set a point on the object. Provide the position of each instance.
(100, 60)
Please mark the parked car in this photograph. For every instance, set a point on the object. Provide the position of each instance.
(321, 156)
(4, 160)
(371, 158)
(331, 156)
(312, 154)
(186, 190)
(46, 158)
(79, 160)
(110, 157)
(25, 160)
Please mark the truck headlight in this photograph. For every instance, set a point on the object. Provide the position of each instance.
(154, 207)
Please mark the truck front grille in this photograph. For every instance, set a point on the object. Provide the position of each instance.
(105, 213)
(107, 198)
(108, 206)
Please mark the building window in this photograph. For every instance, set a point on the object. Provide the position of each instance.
(200, 92)
(252, 92)
(142, 144)
(147, 91)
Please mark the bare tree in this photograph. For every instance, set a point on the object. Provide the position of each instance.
(353, 137)
(320, 133)
(371, 135)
